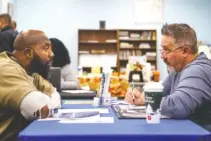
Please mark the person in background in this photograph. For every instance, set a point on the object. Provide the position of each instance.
(62, 59)
(7, 35)
(187, 89)
(25, 95)
(14, 27)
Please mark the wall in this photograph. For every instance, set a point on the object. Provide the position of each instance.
(3, 6)
(63, 18)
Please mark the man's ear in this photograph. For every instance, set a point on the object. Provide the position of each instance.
(29, 53)
(186, 51)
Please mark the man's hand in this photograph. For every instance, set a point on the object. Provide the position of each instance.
(139, 97)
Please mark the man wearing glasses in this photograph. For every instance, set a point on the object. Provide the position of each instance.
(187, 90)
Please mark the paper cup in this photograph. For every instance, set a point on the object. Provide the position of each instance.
(153, 93)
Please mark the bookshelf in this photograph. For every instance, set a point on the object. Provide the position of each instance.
(116, 43)
(97, 44)
(136, 42)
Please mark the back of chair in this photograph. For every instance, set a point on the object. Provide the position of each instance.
(55, 77)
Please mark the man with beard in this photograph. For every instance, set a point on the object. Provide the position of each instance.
(187, 90)
(25, 95)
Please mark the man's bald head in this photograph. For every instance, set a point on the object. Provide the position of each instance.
(29, 38)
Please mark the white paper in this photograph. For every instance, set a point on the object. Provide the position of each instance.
(119, 102)
(77, 91)
(49, 119)
(101, 110)
(78, 102)
(98, 120)
(60, 118)
(131, 107)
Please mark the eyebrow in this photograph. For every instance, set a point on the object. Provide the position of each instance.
(47, 43)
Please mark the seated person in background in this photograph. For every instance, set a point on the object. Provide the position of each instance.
(24, 97)
(62, 59)
(187, 90)
(7, 35)
(14, 27)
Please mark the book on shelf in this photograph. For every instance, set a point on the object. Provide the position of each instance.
(93, 41)
(83, 52)
(101, 51)
(111, 41)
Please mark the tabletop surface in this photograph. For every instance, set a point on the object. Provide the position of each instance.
(120, 127)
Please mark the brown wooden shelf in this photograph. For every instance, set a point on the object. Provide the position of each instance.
(135, 40)
(97, 30)
(83, 42)
(137, 48)
(97, 53)
(86, 36)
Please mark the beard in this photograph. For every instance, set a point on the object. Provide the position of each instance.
(37, 66)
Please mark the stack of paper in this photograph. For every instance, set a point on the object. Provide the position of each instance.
(81, 116)
(131, 111)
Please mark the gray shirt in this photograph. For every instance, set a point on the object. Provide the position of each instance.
(68, 78)
(188, 93)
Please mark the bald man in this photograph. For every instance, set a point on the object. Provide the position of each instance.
(25, 95)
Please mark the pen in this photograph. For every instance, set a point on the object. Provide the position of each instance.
(133, 92)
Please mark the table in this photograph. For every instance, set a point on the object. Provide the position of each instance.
(68, 95)
(124, 130)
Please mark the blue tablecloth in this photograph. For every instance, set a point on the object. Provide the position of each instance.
(122, 129)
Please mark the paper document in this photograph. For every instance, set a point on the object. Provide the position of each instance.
(93, 120)
(49, 119)
(100, 110)
(74, 115)
(119, 102)
(131, 111)
(77, 91)
(120, 107)
(78, 102)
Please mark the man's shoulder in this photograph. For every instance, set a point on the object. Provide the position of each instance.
(8, 65)
(197, 70)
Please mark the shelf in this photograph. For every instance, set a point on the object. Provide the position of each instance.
(135, 40)
(137, 48)
(97, 53)
(102, 43)
(97, 30)
(95, 40)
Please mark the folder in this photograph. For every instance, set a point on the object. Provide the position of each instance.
(131, 112)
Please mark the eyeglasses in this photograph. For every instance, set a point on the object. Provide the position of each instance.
(165, 51)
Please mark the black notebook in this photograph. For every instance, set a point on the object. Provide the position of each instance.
(131, 111)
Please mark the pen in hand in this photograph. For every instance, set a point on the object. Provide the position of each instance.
(133, 92)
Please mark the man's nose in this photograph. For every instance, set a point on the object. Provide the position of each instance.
(163, 56)
(51, 55)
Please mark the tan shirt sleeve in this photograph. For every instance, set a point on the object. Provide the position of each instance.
(15, 84)
(42, 84)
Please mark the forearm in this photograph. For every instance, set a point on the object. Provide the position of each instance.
(174, 106)
(56, 99)
(36, 105)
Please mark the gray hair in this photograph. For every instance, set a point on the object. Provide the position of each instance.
(182, 33)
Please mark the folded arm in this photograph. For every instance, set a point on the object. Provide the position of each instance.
(192, 91)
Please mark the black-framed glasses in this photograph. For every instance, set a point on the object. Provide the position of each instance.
(165, 51)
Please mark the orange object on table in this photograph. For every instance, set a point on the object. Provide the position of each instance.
(156, 75)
